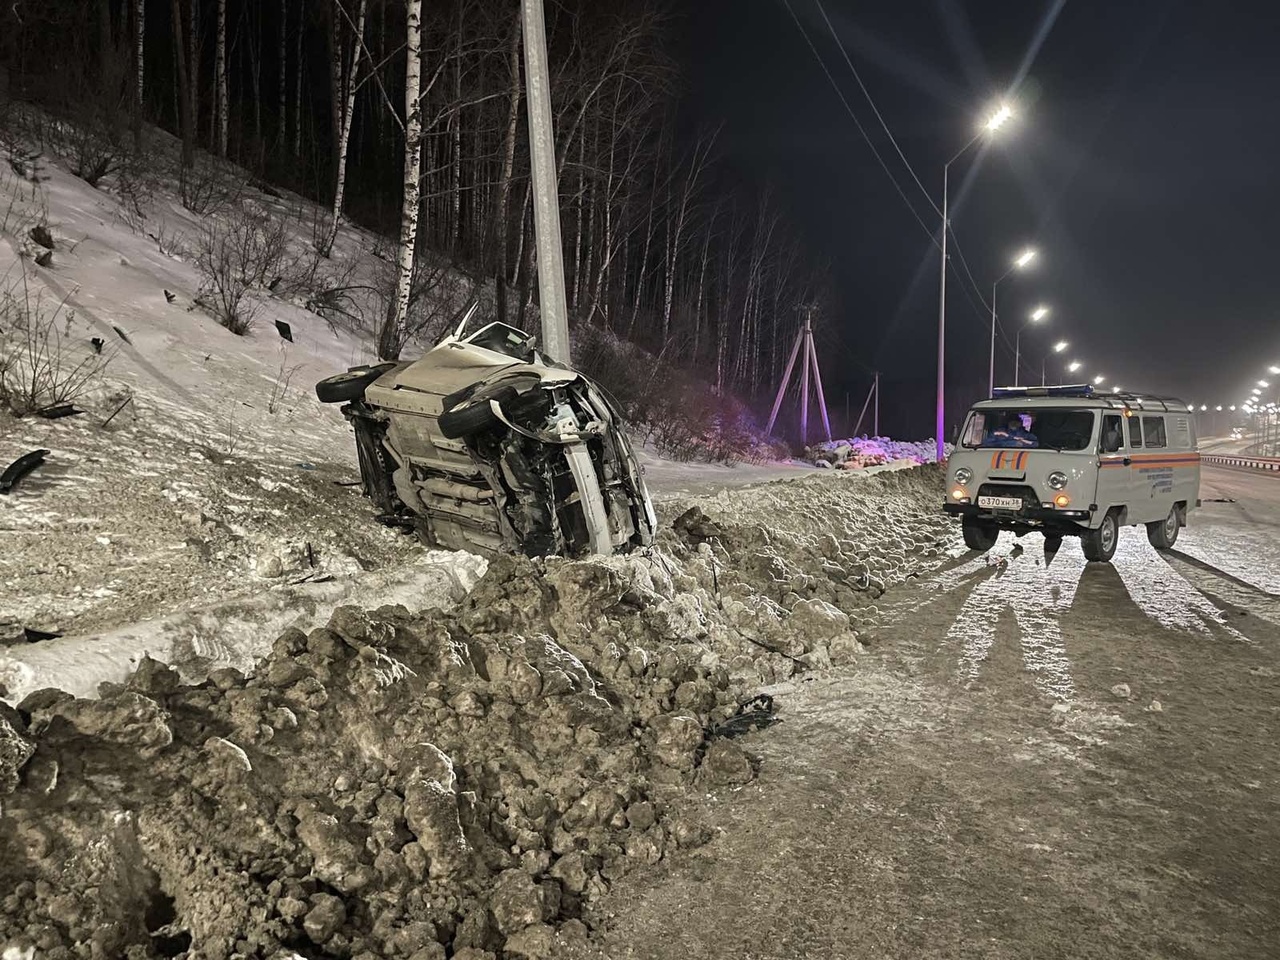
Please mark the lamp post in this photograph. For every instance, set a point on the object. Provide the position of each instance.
(1038, 314)
(997, 120)
(1057, 348)
(1023, 259)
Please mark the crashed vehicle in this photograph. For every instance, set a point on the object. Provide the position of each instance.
(485, 445)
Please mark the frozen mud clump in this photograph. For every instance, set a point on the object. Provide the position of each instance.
(461, 784)
(382, 786)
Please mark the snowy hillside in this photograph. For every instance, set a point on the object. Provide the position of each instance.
(203, 467)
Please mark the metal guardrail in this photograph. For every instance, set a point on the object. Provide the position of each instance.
(1268, 464)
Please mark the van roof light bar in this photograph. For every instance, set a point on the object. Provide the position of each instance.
(1066, 390)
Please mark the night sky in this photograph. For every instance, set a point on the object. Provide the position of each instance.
(1144, 165)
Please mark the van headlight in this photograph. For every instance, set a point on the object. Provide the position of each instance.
(1057, 480)
(963, 476)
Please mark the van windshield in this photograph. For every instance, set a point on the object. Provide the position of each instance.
(1056, 428)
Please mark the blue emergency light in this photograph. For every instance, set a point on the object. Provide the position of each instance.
(1065, 390)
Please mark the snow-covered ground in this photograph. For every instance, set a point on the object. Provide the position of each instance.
(205, 499)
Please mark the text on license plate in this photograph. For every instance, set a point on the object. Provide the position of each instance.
(1000, 503)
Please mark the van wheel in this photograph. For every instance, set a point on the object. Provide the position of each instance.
(979, 536)
(1100, 545)
(1163, 534)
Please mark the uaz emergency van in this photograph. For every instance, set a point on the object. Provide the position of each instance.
(1069, 461)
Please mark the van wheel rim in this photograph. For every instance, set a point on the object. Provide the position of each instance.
(1108, 533)
(1171, 525)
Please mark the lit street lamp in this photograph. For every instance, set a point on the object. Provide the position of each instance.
(1098, 380)
(1073, 366)
(1038, 314)
(997, 120)
(1023, 259)
(1044, 362)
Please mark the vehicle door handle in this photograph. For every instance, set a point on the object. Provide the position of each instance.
(1128, 461)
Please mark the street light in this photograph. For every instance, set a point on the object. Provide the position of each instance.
(998, 119)
(1263, 383)
(1116, 388)
(1073, 366)
(1098, 379)
(1044, 361)
(1275, 370)
(1019, 263)
(1038, 314)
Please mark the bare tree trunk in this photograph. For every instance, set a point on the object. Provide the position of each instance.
(104, 41)
(139, 35)
(349, 86)
(184, 89)
(220, 80)
(389, 342)
(255, 79)
(501, 211)
(282, 63)
(193, 65)
(297, 86)
(702, 287)
(455, 124)
(578, 222)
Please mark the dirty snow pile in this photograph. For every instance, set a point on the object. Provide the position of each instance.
(449, 782)
(858, 452)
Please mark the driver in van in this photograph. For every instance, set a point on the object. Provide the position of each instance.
(1012, 434)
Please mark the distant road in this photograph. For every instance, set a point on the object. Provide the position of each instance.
(1224, 445)
(1243, 484)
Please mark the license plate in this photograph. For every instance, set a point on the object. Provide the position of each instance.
(1000, 503)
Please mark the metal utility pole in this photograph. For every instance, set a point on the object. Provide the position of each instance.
(876, 430)
(940, 432)
(810, 364)
(553, 304)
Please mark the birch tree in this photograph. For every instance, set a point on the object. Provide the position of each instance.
(390, 337)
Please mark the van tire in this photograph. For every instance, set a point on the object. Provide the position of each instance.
(1100, 545)
(979, 536)
(1163, 534)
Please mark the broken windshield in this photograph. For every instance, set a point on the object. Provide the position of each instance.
(1057, 428)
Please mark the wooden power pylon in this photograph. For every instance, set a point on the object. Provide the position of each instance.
(803, 339)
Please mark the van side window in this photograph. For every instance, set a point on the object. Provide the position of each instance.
(1153, 431)
(1184, 433)
(1135, 432)
(975, 430)
(1112, 434)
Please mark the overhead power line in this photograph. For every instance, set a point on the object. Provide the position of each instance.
(858, 123)
(928, 199)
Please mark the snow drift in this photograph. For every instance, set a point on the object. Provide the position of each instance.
(451, 782)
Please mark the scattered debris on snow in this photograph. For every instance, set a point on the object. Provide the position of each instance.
(859, 452)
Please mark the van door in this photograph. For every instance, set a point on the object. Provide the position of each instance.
(1153, 471)
(1113, 466)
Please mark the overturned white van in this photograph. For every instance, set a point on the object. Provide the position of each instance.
(1068, 461)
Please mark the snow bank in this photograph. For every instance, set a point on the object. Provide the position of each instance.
(428, 783)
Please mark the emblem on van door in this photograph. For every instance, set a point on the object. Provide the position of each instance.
(1008, 460)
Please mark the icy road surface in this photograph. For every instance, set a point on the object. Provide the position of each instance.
(1038, 758)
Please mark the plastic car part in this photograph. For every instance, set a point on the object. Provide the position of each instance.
(20, 468)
